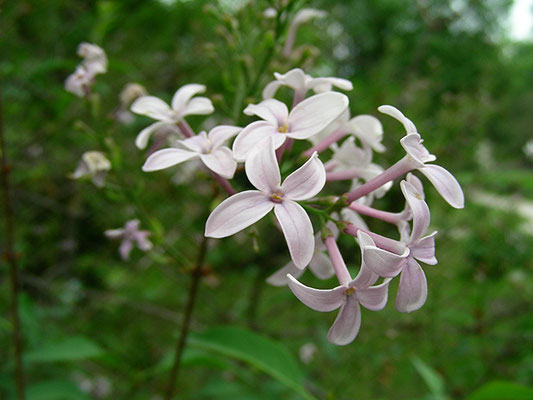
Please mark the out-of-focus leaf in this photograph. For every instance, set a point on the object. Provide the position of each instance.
(502, 390)
(431, 377)
(68, 349)
(191, 357)
(55, 390)
(263, 353)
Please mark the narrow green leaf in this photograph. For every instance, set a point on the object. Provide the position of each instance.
(431, 377)
(55, 390)
(502, 390)
(69, 349)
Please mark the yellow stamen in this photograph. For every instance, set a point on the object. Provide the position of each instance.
(283, 129)
(349, 291)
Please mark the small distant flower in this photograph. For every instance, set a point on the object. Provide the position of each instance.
(307, 352)
(208, 147)
(94, 62)
(79, 82)
(183, 104)
(130, 93)
(130, 235)
(93, 164)
(305, 120)
(301, 17)
(243, 209)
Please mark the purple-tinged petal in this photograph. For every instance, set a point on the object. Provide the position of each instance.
(375, 297)
(417, 183)
(153, 107)
(419, 209)
(262, 168)
(384, 263)
(346, 326)
(280, 278)
(271, 110)
(317, 299)
(412, 144)
(424, 249)
(315, 113)
(236, 213)
(307, 181)
(167, 158)
(184, 94)
(298, 231)
(365, 277)
(320, 265)
(125, 248)
(446, 185)
(142, 138)
(219, 134)
(413, 289)
(252, 136)
(397, 114)
(198, 106)
(221, 162)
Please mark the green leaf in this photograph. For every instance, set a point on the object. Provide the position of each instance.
(502, 390)
(431, 377)
(55, 390)
(69, 349)
(262, 352)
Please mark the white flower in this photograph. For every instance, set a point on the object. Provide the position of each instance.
(95, 165)
(183, 103)
(94, 58)
(79, 82)
(243, 209)
(208, 147)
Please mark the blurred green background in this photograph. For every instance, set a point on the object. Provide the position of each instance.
(97, 327)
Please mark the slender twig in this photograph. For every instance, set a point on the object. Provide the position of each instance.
(191, 298)
(12, 260)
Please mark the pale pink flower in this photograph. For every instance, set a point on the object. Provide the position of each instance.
(183, 103)
(130, 235)
(94, 58)
(79, 82)
(243, 209)
(305, 120)
(94, 165)
(208, 147)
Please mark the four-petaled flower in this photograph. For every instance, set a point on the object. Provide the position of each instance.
(243, 209)
(130, 235)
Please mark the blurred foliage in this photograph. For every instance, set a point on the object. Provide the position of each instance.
(96, 327)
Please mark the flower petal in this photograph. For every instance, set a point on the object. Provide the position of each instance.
(125, 248)
(184, 94)
(307, 181)
(270, 89)
(221, 162)
(446, 185)
(321, 266)
(325, 84)
(397, 114)
(317, 299)
(219, 134)
(198, 143)
(369, 130)
(417, 183)
(198, 106)
(142, 138)
(114, 233)
(315, 113)
(413, 289)
(347, 324)
(383, 262)
(365, 277)
(236, 213)
(271, 110)
(412, 144)
(419, 209)
(165, 158)
(375, 297)
(262, 168)
(153, 107)
(280, 278)
(298, 231)
(424, 249)
(252, 135)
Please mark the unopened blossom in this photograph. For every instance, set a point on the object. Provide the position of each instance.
(130, 235)
(412, 291)
(301, 82)
(94, 165)
(244, 209)
(305, 120)
(208, 147)
(94, 58)
(183, 103)
(348, 296)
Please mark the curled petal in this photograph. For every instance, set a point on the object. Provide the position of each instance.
(346, 326)
(221, 162)
(219, 134)
(320, 85)
(184, 94)
(307, 181)
(397, 114)
(198, 106)
(412, 144)
(375, 297)
(314, 114)
(413, 289)
(384, 263)
(236, 213)
(298, 231)
(167, 158)
(317, 299)
(419, 209)
(424, 249)
(320, 265)
(252, 136)
(271, 110)
(270, 90)
(280, 278)
(262, 168)
(446, 185)
(142, 138)
(153, 107)
(295, 79)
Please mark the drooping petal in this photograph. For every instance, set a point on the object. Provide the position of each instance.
(375, 297)
(419, 210)
(221, 162)
(198, 106)
(317, 299)
(270, 89)
(219, 134)
(125, 248)
(412, 144)
(446, 184)
(252, 136)
(307, 181)
(236, 213)
(184, 94)
(321, 266)
(165, 158)
(413, 289)
(142, 138)
(397, 114)
(346, 326)
(315, 113)
(262, 168)
(153, 107)
(383, 262)
(424, 249)
(298, 231)
(279, 278)
(271, 110)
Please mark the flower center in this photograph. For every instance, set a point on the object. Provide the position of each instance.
(349, 291)
(276, 197)
(283, 129)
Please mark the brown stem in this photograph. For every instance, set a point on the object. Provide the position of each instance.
(12, 260)
(191, 298)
